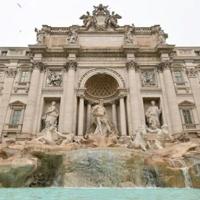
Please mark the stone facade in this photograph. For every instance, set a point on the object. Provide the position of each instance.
(126, 66)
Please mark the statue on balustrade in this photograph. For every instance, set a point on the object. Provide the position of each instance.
(153, 116)
(72, 37)
(101, 119)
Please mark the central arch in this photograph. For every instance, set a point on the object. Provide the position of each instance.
(101, 86)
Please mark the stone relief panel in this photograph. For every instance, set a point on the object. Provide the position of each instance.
(54, 78)
(149, 78)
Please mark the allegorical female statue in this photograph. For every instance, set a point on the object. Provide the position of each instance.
(51, 115)
(152, 114)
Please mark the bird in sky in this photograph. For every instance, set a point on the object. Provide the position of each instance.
(19, 5)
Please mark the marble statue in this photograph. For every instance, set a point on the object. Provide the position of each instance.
(161, 37)
(113, 20)
(54, 79)
(72, 36)
(139, 141)
(152, 114)
(129, 34)
(40, 36)
(100, 118)
(88, 20)
(51, 116)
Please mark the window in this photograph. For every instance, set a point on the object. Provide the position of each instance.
(25, 76)
(15, 117)
(178, 75)
(187, 116)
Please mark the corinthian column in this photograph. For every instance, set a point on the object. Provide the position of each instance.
(171, 97)
(122, 116)
(30, 112)
(114, 114)
(80, 116)
(134, 95)
(7, 90)
(69, 96)
(194, 82)
(88, 115)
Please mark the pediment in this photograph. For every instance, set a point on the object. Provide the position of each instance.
(186, 103)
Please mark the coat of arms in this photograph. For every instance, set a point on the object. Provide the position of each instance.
(101, 18)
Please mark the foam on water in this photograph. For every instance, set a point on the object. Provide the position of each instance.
(99, 194)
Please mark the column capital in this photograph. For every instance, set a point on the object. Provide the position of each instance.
(191, 72)
(71, 64)
(164, 65)
(122, 93)
(36, 64)
(11, 72)
(81, 93)
(131, 64)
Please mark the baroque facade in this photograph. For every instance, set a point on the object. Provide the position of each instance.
(142, 80)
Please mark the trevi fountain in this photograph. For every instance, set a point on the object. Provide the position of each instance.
(100, 106)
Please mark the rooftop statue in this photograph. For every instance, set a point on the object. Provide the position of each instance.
(101, 19)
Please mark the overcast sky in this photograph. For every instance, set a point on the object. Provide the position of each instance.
(179, 18)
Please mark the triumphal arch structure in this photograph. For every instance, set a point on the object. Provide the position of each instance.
(139, 79)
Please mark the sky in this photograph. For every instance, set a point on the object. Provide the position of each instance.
(179, 18)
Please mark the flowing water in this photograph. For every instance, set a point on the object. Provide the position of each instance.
(99, 194)
(187, 178)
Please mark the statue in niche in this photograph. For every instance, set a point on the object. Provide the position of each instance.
(88, 20)
(153, 116)
(72, 36)
(54, 79)
(148, 78)
(100, 119)
(51, 116)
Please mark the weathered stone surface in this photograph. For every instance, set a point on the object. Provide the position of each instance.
(72, 166)
(15, 172)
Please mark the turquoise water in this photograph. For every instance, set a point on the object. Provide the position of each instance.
(99, 194)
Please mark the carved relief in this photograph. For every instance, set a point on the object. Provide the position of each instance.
(148, 78)
(54, 78)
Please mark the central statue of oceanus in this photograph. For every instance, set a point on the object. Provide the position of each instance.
(100, 118)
